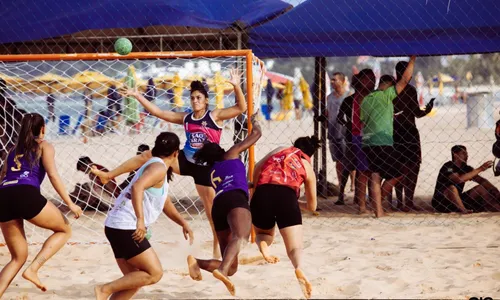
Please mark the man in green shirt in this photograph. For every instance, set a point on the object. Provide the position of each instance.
(377, 115)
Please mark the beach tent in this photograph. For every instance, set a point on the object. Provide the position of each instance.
(34, 21)
(380, 28)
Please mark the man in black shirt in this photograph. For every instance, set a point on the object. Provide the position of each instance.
(449, 195)
(407, 139)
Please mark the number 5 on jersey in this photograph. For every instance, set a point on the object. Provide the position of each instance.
(17, 162)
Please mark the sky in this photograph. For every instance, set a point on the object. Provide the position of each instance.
(294, 2)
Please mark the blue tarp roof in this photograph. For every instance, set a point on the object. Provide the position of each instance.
(381, 28)
(27, 20)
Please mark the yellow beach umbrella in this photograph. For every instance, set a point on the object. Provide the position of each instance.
(288, 96)
(306, 93)
(46, 84)
(13, 83)
(187, 81)
(276, 85)
(164, 82)
(178, 86)
(93, 80)
(219, 86)
(12, 80)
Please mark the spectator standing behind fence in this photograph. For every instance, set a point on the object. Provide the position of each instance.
(449, 195)
(51, 100)
(10, 121)
(377, 115)
(407, 139)
(114, 107)
(349, 116)
(150, 94)
(88, 124)
(336, 132)
(269, 97)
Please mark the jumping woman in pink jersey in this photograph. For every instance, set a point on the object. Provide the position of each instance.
(201, 126)
(20, 199)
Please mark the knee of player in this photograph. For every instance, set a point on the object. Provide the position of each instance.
(451, 189)
(65, 228)
(20, 257)
(155, 276)
(484, 192)
(293, 252)
(241, 240)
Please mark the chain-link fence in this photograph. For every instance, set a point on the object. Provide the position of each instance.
(407, 141)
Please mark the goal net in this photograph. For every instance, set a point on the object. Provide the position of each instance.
(89, 122)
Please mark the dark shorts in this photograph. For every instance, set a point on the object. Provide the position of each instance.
(20, 202)
(200, 174)
(354, 156)
(337, 149)
(224, 203)
(122, 243)
(408, 153)
(407, 145)
(296, 104)
(443, 205)
(273, 204)
(383, 160)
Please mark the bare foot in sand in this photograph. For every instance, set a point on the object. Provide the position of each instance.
(194, 269)
(99, 294)
(271, 259)
(32, 276)
(264, 249)
(380, 214)
(305, 285)
(229, 285)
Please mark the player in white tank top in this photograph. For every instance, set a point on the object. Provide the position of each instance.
(123, 216)
(137, 207)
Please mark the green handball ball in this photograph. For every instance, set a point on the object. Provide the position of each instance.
(123, 46)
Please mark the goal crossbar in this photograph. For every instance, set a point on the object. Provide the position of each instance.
(247, 54)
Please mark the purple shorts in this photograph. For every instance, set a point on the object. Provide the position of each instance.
(355, 157)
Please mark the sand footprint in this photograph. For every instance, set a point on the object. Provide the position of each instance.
(384, 267)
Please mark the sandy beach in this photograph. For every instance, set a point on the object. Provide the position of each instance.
(414, 255)
(445, 257)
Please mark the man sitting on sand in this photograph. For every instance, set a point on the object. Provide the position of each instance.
(93, 195)
(449, 195)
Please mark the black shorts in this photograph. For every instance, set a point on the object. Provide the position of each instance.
(224, 203)
(122, 243)
(200, 174)
(408, 153)
(407, 145)
(443, 205)
(383, 160)
(296, 104)
(273, 204)
(20, 202)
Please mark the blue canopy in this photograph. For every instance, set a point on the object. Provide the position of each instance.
(28, 20)
(381, 28)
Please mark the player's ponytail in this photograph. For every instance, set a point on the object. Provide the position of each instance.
(308, 144)
(209, 154)
(27, 144)
(166, 144)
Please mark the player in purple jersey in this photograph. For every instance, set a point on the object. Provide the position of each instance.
(20, 199)
(231, 211)
(202, 125)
